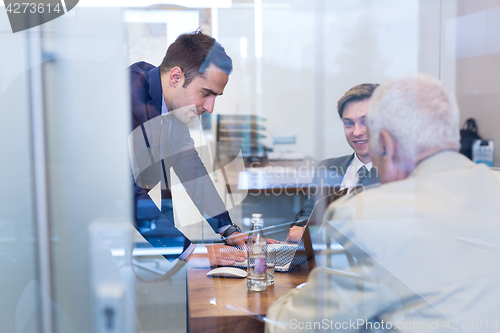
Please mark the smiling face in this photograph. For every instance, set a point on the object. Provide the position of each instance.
(353, 119)
(198, 97)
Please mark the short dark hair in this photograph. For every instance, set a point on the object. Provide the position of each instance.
(357, 93)
(194, 53)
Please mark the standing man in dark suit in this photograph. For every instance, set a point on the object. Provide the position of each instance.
(346, 172)
(164, 99)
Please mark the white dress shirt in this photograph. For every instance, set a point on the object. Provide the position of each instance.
(351, 177)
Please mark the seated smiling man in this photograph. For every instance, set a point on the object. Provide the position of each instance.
(344, 172)
(427, 240)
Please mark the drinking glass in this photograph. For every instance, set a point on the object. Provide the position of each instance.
(271, 263)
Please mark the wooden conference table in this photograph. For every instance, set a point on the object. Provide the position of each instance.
(226, 305)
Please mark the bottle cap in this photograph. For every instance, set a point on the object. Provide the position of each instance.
(257, 220)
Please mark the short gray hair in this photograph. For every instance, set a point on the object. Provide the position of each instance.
(418, 112)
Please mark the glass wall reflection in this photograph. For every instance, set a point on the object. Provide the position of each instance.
(68, 100)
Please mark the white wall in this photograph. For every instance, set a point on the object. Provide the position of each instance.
(312, 53)
(475, 54)
(460, 44)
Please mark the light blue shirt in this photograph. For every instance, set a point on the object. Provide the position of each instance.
(164, 109)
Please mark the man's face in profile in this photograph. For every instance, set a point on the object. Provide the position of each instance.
(353, 119)
(199, 95)
(377, 159)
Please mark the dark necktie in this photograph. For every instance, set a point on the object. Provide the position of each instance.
(362, 174)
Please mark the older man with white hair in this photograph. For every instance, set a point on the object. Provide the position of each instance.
(427, 240)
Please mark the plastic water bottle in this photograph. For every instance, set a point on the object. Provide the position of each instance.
(257, 256)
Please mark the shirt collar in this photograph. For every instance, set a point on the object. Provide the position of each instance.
(358, 164)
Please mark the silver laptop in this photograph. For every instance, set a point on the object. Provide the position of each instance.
(288, 254)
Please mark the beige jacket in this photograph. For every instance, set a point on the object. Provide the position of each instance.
(430, 252)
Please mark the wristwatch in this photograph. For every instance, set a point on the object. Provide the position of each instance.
(229, 231)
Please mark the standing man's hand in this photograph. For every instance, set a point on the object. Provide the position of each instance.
(237, 239)
(218, 255)
(240, 240)
(223, 255)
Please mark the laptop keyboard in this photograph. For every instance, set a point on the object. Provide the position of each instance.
(284, 255)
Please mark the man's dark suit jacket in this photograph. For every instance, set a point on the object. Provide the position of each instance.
(155, 225)
(327, 179)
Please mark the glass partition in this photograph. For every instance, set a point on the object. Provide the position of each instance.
(19, 248)
(100, 208)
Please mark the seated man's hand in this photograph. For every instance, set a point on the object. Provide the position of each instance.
(295, 234)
